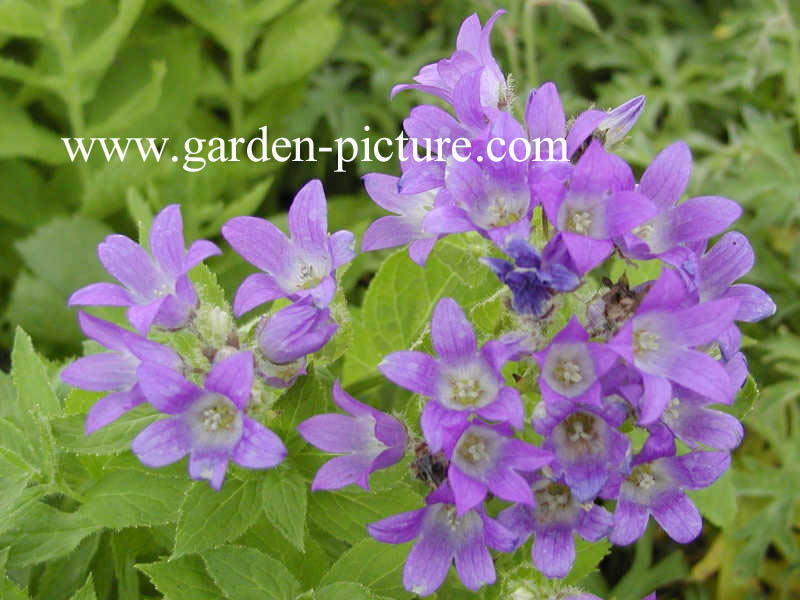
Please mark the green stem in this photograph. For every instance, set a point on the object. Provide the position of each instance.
(511, 40)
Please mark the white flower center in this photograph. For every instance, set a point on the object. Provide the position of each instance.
(644, 231)
(467, 386)
(568, 372)
(215, 421)
(645, 341)
(579, 221)
(672, 411)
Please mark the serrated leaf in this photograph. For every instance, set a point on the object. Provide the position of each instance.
(345, 513)
(344, 590)
(208, 289)
(30, 140)
(577, 13)
(130, 498)
(744, 402)
(373, 564)
(182, 578)
(70, 432)
(87, 591)
(247, 574)
(285, 496)
(587, 559)
(31, 378)
(208, 518)
(14, 478)
(45, 533)
(399, 302)
(63, 577)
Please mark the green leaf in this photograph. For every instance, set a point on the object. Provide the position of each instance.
(744, 402)
(344, 590)
(8, 589)
(182, 578)
(29, 140)
(246, 574)
(208, 518)
(345, 513)
(86, 592)
(70, 432)
(577, 13)
(399, 302)
(45, 533)
(373, 564)
(31, 378)
(294, 45)
(587, 559)
(207, 287)
(63, 577)
(717, 503)
(21, 19)
(129, 498)
(14, 477)
(285, 496)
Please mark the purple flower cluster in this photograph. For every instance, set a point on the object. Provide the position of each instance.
(627, 388)
(212, 421)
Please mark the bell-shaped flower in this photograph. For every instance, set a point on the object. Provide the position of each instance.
(155, 288)
(656, 484)
(304, 265)
(585, 441)
(114, 371)
(473, 51)
(209, 423)
(445, 537)
(486, 459)
(661, 341)
(675, 225)
(553, 521)
(462, 382)
(367, 440)
(597, 203)
(532, 281)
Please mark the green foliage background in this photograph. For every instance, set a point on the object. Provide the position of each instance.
(724, 76)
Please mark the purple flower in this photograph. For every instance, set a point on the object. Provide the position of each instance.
(114, 371)
(620, 120)
(531, 280)
(556, 515)
(405, 226)
(585, 442)
(485, 459)
(598, 204)
(661, 339)
(491, 197)
(209, 424)
(156, 289)
(674, 225)
(368, 440)
(655, 486)
(473, 52)
(296, 268)
(445, 537)
(294, 331)
(463, 382)
(571, 365)
(729, 259)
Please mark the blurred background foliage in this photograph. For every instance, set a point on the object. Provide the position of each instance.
(724, 76)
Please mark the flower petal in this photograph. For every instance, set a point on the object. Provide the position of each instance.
(166, 240)
(665, 180)
(335, 433)
(259, 447)
(427, 564)
(415, 371)
(553, 551)
(451, 333)
(595, 523)
(163, 442)
(198, 252)
(399, 528)
(233, 377)
(209, 464)
(678, 516)
(101, 372)
(474, 563)
(109, 408)
(101, 294)
(260, 243)
(342, 471)
(468, 492)
(630, 520)
(130, 264)
(308, 222)
(167, 390)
